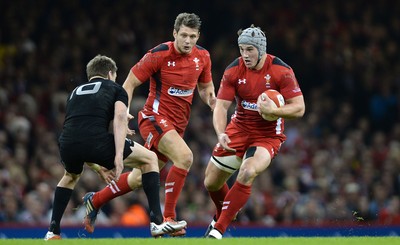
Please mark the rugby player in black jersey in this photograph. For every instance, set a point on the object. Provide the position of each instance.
(86, 138)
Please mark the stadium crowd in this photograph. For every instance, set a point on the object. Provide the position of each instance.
(340, 163)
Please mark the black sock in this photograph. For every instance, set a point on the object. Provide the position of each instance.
(151, 186)
(61, 199)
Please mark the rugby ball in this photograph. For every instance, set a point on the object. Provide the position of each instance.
(278, 100)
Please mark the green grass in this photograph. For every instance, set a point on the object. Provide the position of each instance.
(224, 241)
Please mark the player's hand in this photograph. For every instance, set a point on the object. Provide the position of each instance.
(224, 140)
(130, 117)
(106, 175)
(119, 166)
(264, 104)
(212, 101)
(128, 130)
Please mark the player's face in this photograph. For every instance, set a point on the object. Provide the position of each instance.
(185, 39)
(249, 55)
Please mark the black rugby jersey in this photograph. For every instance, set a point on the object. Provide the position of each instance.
(90, 109)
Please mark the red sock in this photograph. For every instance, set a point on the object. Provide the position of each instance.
(234, 201)
(112, 191)
(218, 198)
(173, 187)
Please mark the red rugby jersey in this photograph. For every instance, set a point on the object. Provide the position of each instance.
(173, 79)
(245, 85)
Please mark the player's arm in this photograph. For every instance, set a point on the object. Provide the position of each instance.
(293, 108)
(130, 84)
(119, 130)
(105, 174)
(207, 93)
(220, 120)
(95, 167)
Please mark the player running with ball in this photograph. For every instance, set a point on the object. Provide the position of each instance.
(248, 143)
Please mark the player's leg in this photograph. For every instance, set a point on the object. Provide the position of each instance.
(221, 166)
(175, 148)
(215, 183)
(168, 145)
(146, 174)
(147, 162)
(256, 160)
(104, 156)
(136, 157)
(62, 195)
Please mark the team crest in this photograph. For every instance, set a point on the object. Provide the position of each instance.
(163, 122)
(267, 79)
(196, 60)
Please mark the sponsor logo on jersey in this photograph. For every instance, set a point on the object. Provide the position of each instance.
(179, 92)
(171, 63)
(249, 106)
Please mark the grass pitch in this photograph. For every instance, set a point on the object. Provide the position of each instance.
(224, 241)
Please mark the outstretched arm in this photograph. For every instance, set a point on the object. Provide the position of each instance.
(120, 131)
(220, 121)
(105, 174)
(207, 94)
(130, 84)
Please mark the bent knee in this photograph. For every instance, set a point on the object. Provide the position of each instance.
(212, 184)
(151, 163)
(135, 179)
(185, 160)
(70, 178)
(153, 159)
(247, 175)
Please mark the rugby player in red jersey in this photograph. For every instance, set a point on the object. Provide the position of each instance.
(175, 69)
(248, 143)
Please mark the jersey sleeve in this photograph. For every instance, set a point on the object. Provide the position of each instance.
(122, 95)
(205, 76)
(147, 66)
(227, 88)
(289, 87)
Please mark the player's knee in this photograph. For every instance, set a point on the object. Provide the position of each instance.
(150, 163)
(211, 184)
(70, 178)
(208, 184)
(185, 160)
(135, 180)
(153, 159)
(247, 175)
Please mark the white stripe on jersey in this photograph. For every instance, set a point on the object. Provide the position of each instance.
(156, 104)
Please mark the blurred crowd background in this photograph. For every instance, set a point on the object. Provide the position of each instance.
(341, 161)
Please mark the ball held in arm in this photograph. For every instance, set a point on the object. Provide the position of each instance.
(278, 100)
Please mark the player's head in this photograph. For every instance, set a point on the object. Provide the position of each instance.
(253, 36)
(101, 66)
(186, 32)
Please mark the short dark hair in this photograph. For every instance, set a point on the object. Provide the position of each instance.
(190, 20)
(100, 66)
